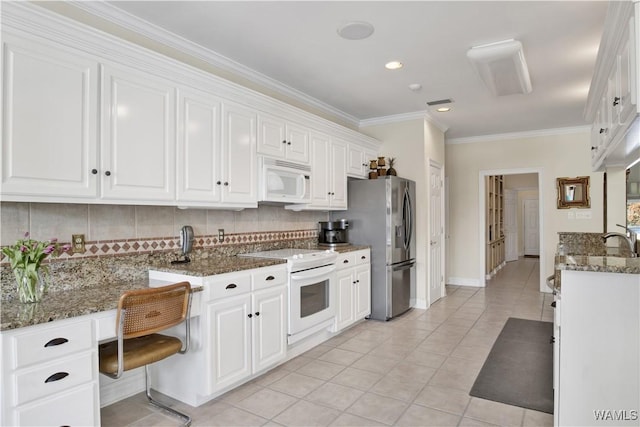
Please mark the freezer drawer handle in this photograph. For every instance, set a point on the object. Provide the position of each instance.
(403, 267)
(56, 341)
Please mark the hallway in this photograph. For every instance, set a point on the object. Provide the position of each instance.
(415, 370)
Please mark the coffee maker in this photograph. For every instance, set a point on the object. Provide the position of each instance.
(333, 233)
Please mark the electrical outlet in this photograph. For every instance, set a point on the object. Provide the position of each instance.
(77, 243)
(221, 235)
(583, 215)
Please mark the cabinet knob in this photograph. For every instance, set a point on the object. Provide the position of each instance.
(552, 340)
(94, 171)
(250, 315)
(218, 182)
(363, 257)
(289, 143)
(108, 173)
(603, 130)
(284, 142)
(594, 148)
(616, 101)
(257, 313)
(226, 183)
(364, 164)
(329, 193)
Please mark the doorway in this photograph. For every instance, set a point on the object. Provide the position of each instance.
(526, 184)
(531, 227)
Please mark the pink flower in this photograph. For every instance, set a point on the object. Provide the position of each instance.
(23, 248)
(65, 248)
(26, 234)
(49, 249)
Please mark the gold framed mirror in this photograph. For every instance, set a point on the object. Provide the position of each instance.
(573, 192)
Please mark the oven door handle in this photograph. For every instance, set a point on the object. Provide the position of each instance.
(313, 273)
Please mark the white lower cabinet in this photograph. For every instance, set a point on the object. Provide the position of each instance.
(242, 331)
(597, 374)
(49, 375)
(354, 288)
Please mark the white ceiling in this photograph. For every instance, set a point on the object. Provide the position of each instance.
(296, 44)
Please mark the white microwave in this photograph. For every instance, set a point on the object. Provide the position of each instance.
(282, 181)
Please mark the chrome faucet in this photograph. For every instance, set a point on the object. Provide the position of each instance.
(625, 237)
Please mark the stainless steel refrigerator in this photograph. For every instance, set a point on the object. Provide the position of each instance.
(381, 214)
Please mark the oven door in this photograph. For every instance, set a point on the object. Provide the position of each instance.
(311, 298)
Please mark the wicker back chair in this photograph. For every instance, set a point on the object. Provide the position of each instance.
(141, 315)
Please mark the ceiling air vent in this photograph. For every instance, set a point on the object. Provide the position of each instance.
(439, 102)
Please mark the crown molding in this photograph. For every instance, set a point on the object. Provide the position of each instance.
(396, 118)
(518, 135)
(157, 34)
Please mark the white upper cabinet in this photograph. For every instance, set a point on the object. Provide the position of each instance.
(329, 172)
(283, 140)
(612, 103)
(138, 136)
(49, 122)
(239, 165)
(358, 158)
(199, 169)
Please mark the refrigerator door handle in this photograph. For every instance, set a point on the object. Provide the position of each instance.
(404, 266)
(407, 219)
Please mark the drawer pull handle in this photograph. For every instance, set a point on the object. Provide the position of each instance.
(346, 261)
(56, 341)
(363, 257)
(270, 278)
(231, 286)
(56, 377)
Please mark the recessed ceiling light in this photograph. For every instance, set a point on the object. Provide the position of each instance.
(393, 65)
(355, 30)
(443, 109)
(415, 87)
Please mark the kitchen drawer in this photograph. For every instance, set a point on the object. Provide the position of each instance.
(228, 287)
(77, 407)
(267, 277)
(69, 372)
(47, 343)
(345, 260)
(362, 257)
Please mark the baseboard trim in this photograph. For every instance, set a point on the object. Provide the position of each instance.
(465, 281)
(420, 303)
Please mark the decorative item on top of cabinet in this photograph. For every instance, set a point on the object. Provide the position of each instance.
(573, 192)
(391, 171)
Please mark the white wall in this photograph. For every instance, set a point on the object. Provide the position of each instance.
(563, 155)
(413, 143)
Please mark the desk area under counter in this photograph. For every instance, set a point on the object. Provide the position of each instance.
(597, 340)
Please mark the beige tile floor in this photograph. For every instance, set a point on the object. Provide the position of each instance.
(415, 370)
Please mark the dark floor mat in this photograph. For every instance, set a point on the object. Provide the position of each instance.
(519, 369)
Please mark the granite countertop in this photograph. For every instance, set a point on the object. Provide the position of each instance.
(214, 265)
(96, 291)
(608, 264)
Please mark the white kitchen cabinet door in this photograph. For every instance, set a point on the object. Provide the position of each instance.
(230, 340)
(282, 140)
(269, 327)
(362, 297)
(49, 121)
(297, 148)
(320, 180)
(138, 136)
(239, 157)
(272, 139)
(77, 407)
(345, 289)
(199, 174)
(357, 161)
(338, 175)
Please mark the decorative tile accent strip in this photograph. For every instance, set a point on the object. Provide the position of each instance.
(156, 244)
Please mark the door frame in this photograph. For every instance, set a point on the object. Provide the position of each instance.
(443, 218)
(542, 196)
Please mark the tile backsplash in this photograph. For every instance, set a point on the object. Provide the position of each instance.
(115, 223)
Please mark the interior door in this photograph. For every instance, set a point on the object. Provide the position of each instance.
(511, 225)
(531, 228)
(436, 233)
